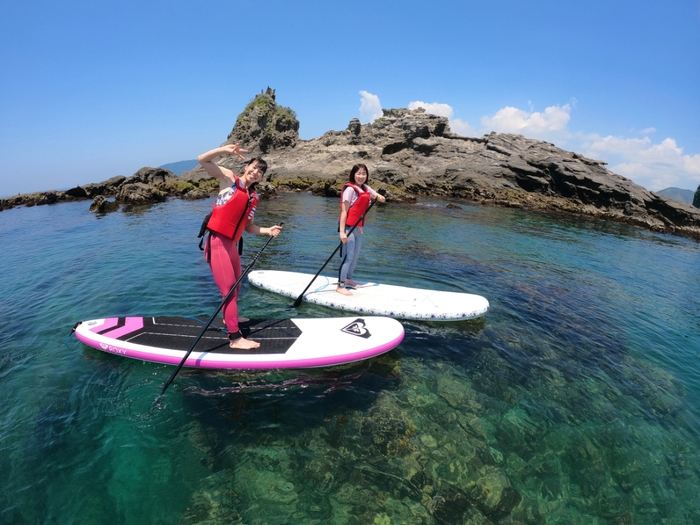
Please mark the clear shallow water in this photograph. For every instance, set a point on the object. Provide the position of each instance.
(574, 400)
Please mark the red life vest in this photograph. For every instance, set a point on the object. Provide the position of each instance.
(357, 208)
(231, 218)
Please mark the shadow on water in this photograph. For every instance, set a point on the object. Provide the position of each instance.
(258, 407)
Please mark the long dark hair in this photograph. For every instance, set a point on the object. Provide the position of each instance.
(355, 169)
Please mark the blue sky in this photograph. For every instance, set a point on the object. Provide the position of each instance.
(90, 90)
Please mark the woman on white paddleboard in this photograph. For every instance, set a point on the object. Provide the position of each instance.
(355, 199)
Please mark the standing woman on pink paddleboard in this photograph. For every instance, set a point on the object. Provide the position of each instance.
(232, 213)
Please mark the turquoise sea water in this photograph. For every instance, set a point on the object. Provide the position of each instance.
(576, 399)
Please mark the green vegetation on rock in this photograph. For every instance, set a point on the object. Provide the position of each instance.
(264, 125)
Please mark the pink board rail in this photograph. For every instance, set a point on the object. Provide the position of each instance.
(291, 343)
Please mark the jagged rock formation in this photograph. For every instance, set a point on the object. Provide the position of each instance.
(696, 198)
(411, 153)
(146, 186)
(264, 126)
(101, 204)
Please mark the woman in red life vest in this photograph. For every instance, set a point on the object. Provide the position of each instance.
(354, 202)
(232, 213)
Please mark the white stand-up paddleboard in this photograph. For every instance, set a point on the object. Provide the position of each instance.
(373, 298)
(284, 343)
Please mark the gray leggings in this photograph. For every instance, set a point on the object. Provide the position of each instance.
(352, 253)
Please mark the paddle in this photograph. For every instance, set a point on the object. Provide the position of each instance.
(298, 300)
(184, 359)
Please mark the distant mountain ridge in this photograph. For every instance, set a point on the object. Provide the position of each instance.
(180, 167)
(678, 194)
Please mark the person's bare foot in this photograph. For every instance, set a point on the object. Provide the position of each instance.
(352, 283)
(243, 344)
(343, 291)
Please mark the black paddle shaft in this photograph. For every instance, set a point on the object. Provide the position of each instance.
(301, 296)
(211, 320)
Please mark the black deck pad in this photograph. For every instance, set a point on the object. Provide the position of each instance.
(178, 333)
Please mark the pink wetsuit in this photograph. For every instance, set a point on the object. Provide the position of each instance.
(225, 266)
(232, 211)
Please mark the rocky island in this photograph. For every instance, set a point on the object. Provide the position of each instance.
(410, 154)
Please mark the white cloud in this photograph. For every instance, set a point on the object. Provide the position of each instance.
(462, 127)
(654, 166)
(549, 124)
(434, 108)
(692, 165)
(370, 107)
(459, 126)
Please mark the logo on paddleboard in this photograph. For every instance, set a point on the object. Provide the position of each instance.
(357, 327)
(113, 349)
